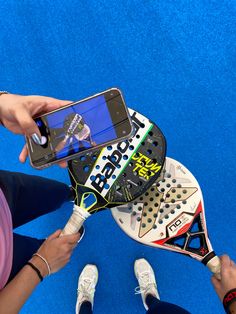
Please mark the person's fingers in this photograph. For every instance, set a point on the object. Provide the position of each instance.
(216, 282)
(24, 154)
(48, 104)
(71, 238)
(225, 262)
(55, 235)
(26, 122)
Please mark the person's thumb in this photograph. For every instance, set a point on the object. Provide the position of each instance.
(55, 235)
(28, 125)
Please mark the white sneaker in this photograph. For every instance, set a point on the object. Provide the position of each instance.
(86, 286)
(146, 279)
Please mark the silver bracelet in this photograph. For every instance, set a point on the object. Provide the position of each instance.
(45, 261)
(3, 92)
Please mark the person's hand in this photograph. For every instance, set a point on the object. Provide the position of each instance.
(17, 113)
(228, 277)
(57, 251)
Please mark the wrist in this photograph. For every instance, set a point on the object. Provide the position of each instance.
(40, 265)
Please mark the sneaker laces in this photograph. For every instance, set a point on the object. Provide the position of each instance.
(86, 288)
(146, 283)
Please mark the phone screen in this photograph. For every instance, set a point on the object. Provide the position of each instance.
(80, 126)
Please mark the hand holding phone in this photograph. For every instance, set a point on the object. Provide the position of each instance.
(82, 126)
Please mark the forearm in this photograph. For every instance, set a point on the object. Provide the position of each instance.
(15, 294)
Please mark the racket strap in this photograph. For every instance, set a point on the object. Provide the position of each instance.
(229, 298)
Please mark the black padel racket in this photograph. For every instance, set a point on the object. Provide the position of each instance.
(116, 174)
(170, 215)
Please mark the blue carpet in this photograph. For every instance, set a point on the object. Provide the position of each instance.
(175, 62)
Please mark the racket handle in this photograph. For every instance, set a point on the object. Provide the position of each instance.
(214, 265)
(76, 221)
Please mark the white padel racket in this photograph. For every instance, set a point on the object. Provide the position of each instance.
(116, 174)
(170, 215)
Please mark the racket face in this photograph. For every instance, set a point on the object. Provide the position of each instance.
(120, 173)
(169, 215)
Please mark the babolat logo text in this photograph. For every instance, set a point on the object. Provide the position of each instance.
(115, 159)
(144, 166)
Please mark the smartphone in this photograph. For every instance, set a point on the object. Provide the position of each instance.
(80, 127)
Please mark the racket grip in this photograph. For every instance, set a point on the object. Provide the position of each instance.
(76, 221)
(214, 265)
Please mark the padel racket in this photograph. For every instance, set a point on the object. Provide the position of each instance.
(170, 215)
(118, 173)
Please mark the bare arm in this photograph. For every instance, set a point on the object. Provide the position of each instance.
(57, 251)
(21, 286)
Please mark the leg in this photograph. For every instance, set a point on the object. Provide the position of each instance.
(156, 306)
(86, 289)
(23, 249)
(31, 196)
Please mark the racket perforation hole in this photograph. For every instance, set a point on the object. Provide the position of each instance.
(149, 151)
(184, 191)
(145, 204)
(156, 204)
(142, 125)
(184, 202)
(167, 205)
(178, 206)
(160, 221)
(149, 220)
(154, 160)
(140, 183)
(150, 209)
(179, 186)
(134, 213)
(166, 216)
(154, 226)
(151, 199)
(104, 157)
(155, 215)
(168, 175)
(152, 189)
(173, 201)
(140, 208)
(150, 133)
(174, 180)
(82, 158)
(143, 225)
(138, 219)
(162, 189)
(167, 195)
(163, 180)
(168, 185)
(146, 194)
(131, 147)
(97, 167)
(161, 210)
(144, 214)
(94, 157)
(130, 164)
(155, 143)
(178, 196)
(137, 136)
(135, 203)
(173, 190)
(109, 147)
(113, 176)
(172, 211)
(125, 157)
(86, 168)
(157, 194)
(143, 143)
(141, 198)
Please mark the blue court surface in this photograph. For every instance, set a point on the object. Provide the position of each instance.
(175, 63)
